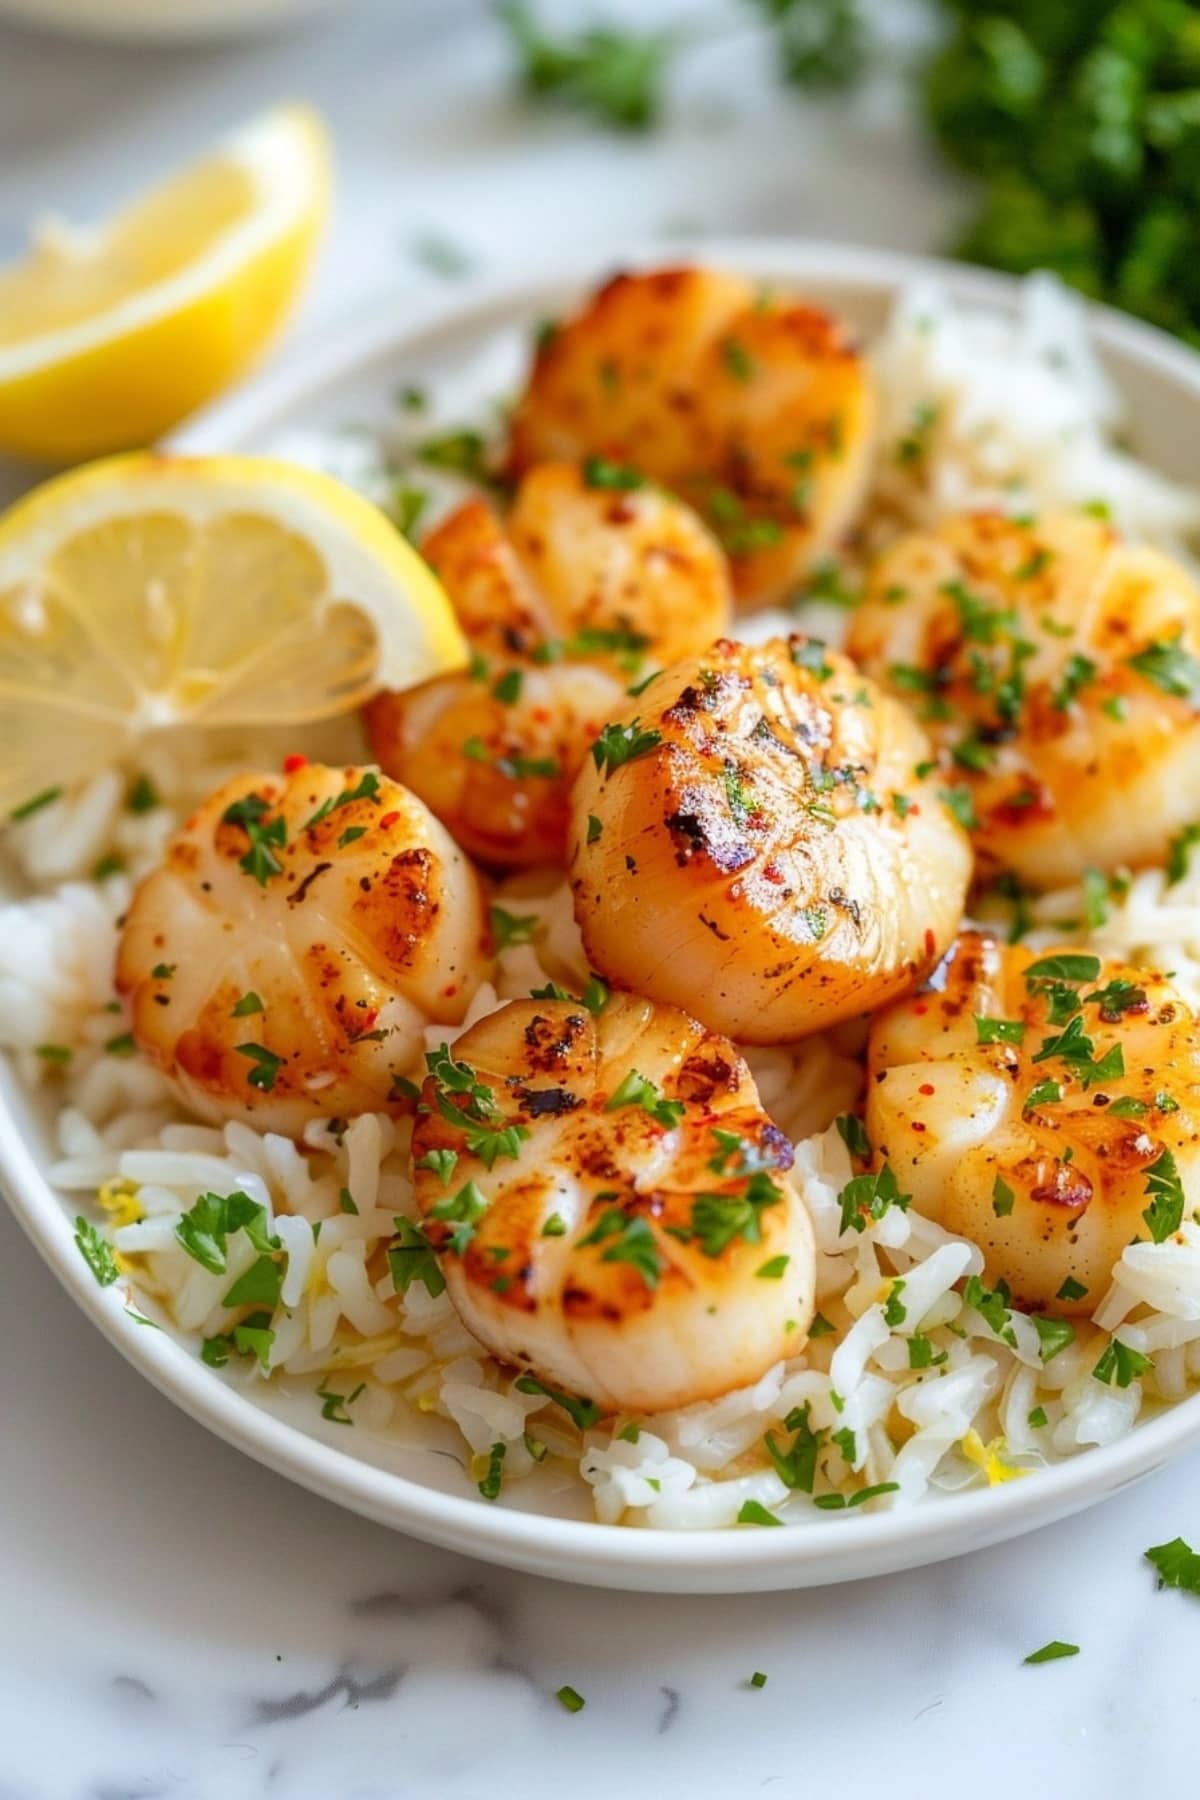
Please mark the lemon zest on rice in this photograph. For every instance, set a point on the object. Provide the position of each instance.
(990, 1458)
(119, 1200)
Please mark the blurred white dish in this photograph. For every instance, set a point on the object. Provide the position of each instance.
(417, 1487)
(162, 20)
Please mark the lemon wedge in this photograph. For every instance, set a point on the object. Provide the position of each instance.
(151, 591)
(109, 335)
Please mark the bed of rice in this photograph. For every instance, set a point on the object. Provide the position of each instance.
(1009, 412)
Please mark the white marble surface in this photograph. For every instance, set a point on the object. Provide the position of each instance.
(176, 1621)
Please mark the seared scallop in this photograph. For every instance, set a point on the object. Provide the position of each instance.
(756, 407)
(592, 578)
(1045, 1105)
(302, 931)
(757, 838)
(1057, 668)
(611, 1205)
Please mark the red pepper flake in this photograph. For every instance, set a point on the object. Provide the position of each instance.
(293, 762)
(448, 993)
(541, 714)
(926, 1087)
(920, 1009)
(774, 874)
(930, 943)
(389, 819)
(917, 1125)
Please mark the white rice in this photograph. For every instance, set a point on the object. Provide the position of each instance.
(1012, 412)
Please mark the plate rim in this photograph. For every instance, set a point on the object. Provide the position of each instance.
(694, 1561)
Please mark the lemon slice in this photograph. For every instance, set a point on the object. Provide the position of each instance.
(110, 335)
(150, 591)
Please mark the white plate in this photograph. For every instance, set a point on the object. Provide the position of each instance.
(152, 20)
(421, 1488)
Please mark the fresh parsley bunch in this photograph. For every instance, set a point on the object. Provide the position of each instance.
(1082, 120)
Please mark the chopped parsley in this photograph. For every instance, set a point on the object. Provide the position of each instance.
(894, 1312)
(366, 788)
(569, 1700)
(1053, 1335)
(992, 1305)
(259, 1285)
(1074, 1047)
(1164, 1190)
(773, 1268)
(507, 687)
(512, 928)
(411, 1257)
(459, 452)
(1120, 1363)
(1176, 1565)
(96, 1252)
(583, 1414)
(758, 1679)
(1078, 673)
(838, 1502)
(266, 1065)
(809, 653)
(334, 1405)
(600, 472)
(1071, 1290)
(249, 1003)
(717, 1219)
(253, 1337)
(737, 359)
(441, 1163)
(853, 1134)
(958, 801)
(489, 1484)
(462, 1210)
(618, 744)
(205, 1228)
(512, 764)
(143, 796)
(742, 804)
(1170, 667)
(868, 1197)
(754, 1513)
(1003, 1198)
(1069, 966)
(27, 808)
(637, 1090)
(405, 506)
(1179, 853)
(1052, 1652)
(627, 1239)
(260, 860)
(1095, 898)
(913, 446)
(998, 1031)
(555, 1226)
(594, 828)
